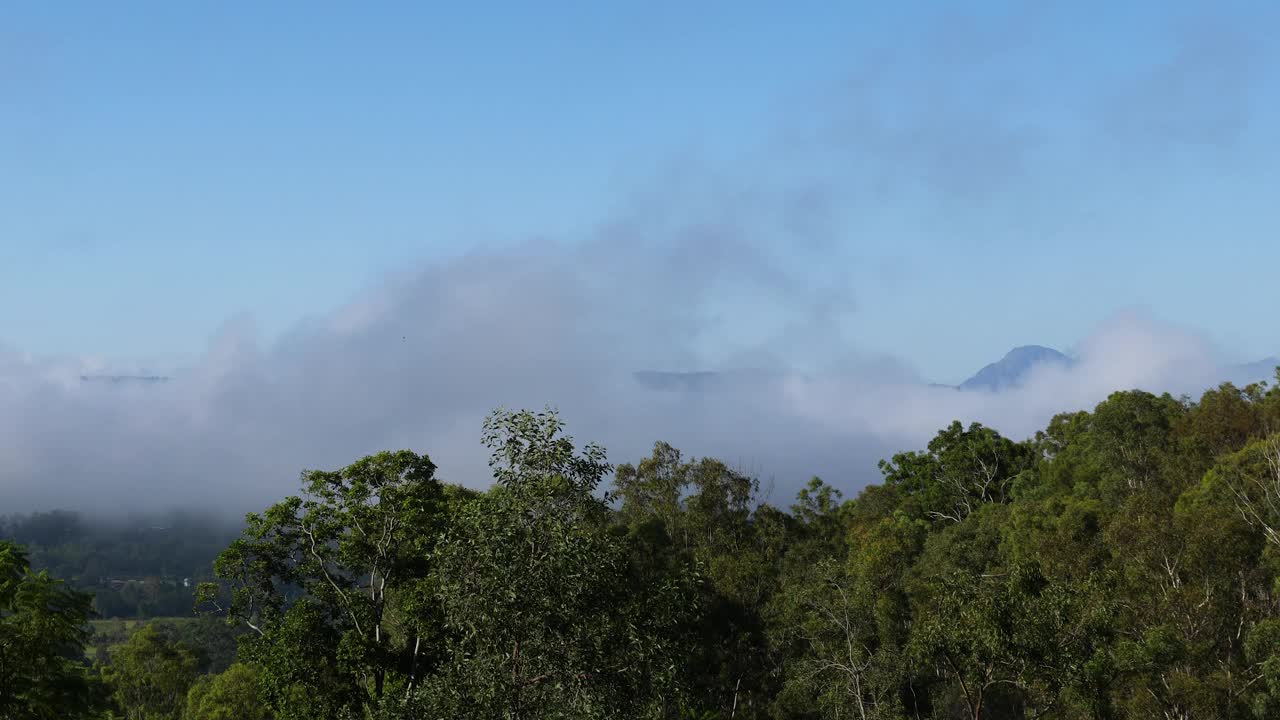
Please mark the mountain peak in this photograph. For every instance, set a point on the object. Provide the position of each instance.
(1012, 369)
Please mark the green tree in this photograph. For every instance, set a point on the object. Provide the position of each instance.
(1252, 474)
(230, 695)
(842, 666)
(1132, 442)
(963, 469)
(654, 490)
(544, 610)
(150, 675)
(43, 629)
(709, 514)
(333, 585)
(1009, 645)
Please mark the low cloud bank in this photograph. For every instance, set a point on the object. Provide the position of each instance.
(418, 362)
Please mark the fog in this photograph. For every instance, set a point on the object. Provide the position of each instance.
(418, 362)
(703, 264)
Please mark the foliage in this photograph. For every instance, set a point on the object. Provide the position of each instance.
(42, 635)
(963, 469)
(355, 548)
(1123, 563)
(230, 695)
(544, 612)
(150, 675)
(211, 639)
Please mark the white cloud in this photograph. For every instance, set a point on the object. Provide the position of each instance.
(419, 362)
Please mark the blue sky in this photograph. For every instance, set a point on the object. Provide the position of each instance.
(983, 175)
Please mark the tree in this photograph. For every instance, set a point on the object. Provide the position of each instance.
(543, 609)
(1253, 476)
(842, 667)
(230, 695)
(1224, 419)
(43, 629)
(1132, 441)
(1193, 581)
(708, 511)
(962, 470)
(341, 572)
(1009, 644)
(150, 675)
(653, 489)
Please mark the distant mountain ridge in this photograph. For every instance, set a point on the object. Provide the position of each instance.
(1264, 369)
(663, 380)
(698, 380)
(1007, 373)
(1011, 370)
(121, 379)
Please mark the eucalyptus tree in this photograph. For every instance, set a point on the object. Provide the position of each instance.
(333, 585)
(545, 612)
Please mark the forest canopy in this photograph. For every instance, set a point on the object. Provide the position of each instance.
(1122, 563)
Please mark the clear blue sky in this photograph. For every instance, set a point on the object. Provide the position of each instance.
(1003, 176)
